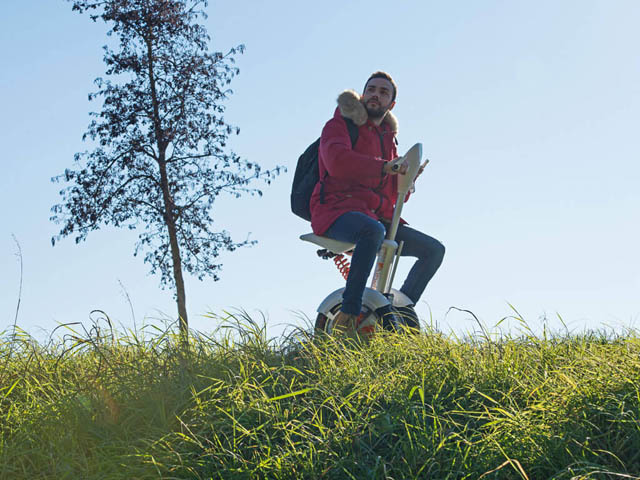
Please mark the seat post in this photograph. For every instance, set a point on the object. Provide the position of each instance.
(389, 246)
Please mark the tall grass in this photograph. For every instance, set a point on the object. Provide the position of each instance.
(104, 404)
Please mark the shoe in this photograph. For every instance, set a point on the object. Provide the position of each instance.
(344, 324)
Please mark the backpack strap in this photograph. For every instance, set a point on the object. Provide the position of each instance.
(354, 132)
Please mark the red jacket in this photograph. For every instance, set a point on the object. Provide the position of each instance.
(351, 179)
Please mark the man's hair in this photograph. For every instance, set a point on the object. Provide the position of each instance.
(386, 76)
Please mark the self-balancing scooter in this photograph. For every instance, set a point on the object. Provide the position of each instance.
(379, 300)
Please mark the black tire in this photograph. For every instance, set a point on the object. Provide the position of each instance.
(409, 318)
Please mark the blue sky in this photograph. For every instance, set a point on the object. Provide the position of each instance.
(529, 112)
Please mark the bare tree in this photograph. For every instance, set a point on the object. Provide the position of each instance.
(160, 157)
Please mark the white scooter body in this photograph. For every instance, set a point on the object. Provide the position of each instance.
(371, 298)
(380, 294)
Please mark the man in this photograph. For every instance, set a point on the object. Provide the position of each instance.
(357, 191)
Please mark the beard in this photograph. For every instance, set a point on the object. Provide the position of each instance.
(376, 112)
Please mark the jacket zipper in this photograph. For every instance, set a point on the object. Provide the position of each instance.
(381, 136)
(379, 202)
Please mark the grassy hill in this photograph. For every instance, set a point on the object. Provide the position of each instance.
(102, 405)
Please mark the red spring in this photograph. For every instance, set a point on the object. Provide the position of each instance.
(342, 264)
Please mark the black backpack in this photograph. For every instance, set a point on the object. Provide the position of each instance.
(308, 174)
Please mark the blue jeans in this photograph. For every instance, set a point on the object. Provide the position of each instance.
(368, 234)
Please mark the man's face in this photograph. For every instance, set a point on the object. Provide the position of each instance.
(377, 97)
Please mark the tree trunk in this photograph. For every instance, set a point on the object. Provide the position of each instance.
(175, 249)
(168, 201)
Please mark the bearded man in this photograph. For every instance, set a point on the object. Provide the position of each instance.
(356, 195)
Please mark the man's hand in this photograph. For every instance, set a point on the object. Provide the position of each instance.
(399, 165)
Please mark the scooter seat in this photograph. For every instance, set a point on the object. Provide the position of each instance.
(330, 244)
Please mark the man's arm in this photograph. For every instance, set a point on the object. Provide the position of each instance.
(342, 162)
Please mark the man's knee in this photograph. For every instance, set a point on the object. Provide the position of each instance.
(375, 231)
(433, 249)
(439, 250)
(381, 232)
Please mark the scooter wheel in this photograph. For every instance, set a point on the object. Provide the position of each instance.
(368, 322)
(409, 318)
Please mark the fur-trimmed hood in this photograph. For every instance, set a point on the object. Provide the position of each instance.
(352, 108)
